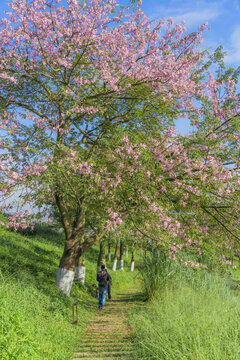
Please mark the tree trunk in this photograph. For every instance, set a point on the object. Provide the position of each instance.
(109, 251)
(133, 261)
(74, 249)
(121, 256)
(115, 257)
(101, 256)
(75, 245)
(81, 270)
(126, 251)
(66, 270)
(74, 230)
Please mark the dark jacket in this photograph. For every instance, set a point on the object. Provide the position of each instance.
(104, 274)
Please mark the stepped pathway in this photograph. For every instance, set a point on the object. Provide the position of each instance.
(107, 335)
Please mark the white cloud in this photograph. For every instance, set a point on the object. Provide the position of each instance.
(195, 18)
(203, 12)
(233, 55)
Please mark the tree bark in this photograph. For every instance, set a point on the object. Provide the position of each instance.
(101, 256)
(67, 266)
(81, 270)
(133, 260)
(74, 230)
(121, 256)
(115, 256)
(74, 249)
(75, 245)
(109, 251)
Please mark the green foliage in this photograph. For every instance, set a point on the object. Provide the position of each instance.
(2, 218)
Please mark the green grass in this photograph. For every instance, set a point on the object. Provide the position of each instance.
(194, 316)
(34, 325)
(126, 279)
(35, 316)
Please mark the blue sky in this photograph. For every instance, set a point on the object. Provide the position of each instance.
(222, 16)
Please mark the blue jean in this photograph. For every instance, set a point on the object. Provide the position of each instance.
(102, 293)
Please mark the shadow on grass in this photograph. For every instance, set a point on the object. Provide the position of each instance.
(137, 297)
(17, 256)
(44, 233)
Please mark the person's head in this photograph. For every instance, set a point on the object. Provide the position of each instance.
(103, 267)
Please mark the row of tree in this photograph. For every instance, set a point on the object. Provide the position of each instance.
(89, 96)
(119, 250)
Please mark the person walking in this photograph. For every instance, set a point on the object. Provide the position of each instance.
(103, 279)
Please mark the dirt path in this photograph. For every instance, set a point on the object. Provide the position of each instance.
(107, 335)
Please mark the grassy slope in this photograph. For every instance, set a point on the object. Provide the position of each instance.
(35, 316)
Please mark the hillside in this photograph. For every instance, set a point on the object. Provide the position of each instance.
(36, 316)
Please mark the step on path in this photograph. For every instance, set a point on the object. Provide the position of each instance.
(107, 336)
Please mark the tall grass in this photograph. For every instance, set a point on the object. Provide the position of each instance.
(156, 271)
(194, 315)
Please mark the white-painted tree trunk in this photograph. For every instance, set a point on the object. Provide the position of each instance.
(114, 268)
(121, 264)
(64, 280)
(109, 256)
(132, 265)
(80, 274)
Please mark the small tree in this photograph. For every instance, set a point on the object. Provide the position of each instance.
(115, 256)
(102, 255)
(121, 255)
(132, 261)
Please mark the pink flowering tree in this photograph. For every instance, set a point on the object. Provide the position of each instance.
(74, 81)
(187, 197)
